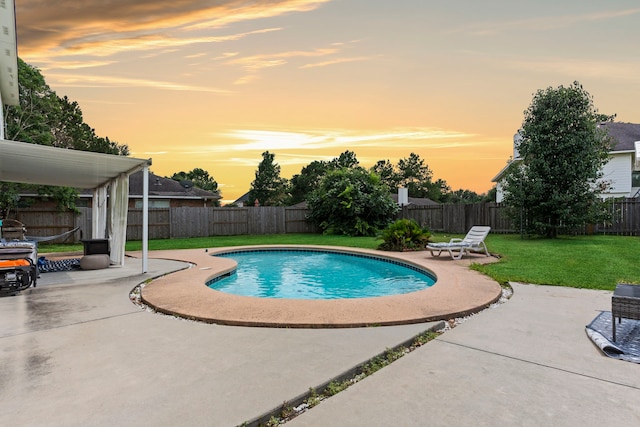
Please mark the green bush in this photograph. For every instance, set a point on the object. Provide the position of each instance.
(351, 202)
(404, 235)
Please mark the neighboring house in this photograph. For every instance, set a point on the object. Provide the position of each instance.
(622, 171)
(242, 201)
(163, 193)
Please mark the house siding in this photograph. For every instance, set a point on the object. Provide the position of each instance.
(499, 192)
(618, 172)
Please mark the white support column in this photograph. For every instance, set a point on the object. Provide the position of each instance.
(145, 219)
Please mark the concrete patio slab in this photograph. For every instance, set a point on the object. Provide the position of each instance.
(77, 352)
(525, 363)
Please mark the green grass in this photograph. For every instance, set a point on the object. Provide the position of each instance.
(596, 262)
(222, 241)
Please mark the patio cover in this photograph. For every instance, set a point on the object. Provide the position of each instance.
(40, 164)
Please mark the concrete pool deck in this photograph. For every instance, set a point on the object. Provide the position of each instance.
(456, 293)
(76, 352)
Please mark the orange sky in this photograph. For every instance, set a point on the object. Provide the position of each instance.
(213, 84)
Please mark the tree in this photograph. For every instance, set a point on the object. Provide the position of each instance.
(268, 187)
(309, 177)
(464, 196)
(351, 201)
(70, 131)
(41, 117)
(491, 195)
(387, 173)
(413, 174)
(29, 121)
(199, 177)
(307, 180)
(416, 176)
(554, 188)
(344, 160)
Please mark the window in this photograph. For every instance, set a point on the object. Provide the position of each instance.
(635, 179)
(154, 204)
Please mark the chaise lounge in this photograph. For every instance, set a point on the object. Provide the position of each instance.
(472, 242)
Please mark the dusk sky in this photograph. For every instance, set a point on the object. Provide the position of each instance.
(213, 84)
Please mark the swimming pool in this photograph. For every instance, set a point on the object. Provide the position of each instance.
(459, 291)
(314, 274)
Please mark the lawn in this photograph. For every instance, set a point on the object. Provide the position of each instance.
(596, 262)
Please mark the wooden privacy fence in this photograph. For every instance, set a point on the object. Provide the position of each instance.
(459, 218)
(625, 219)
(208, 221)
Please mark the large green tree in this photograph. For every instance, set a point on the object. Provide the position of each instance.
(199, 177)
(387, 173)
(351, 201)
(41, 117)
(554, 188)
(464, 197)
(414, 174)
(268, 187)
(302, 184)
(346, 159)
(307, 180)
(70, 131)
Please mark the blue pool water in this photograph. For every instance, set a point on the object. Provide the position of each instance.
(304, 274)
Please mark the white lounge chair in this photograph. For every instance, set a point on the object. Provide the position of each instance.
(472, 242)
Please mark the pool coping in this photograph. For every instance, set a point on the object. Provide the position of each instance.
(458, 291)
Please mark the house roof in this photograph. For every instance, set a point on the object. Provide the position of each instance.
(416, 201)
(169, 188)
(624, 134)
(242, 199)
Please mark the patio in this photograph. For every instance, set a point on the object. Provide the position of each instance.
(77, 352)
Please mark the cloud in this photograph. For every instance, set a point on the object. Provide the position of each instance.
(69, 27)
(256, 63)
(273, 140)
(150, 153)
(75, 65)
(132, 43)
(337, 61)
(71, 80)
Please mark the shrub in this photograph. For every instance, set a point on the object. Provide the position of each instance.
(351, 201)
(404, 235)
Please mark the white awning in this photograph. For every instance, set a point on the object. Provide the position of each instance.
(43, 165)
(40, 164)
